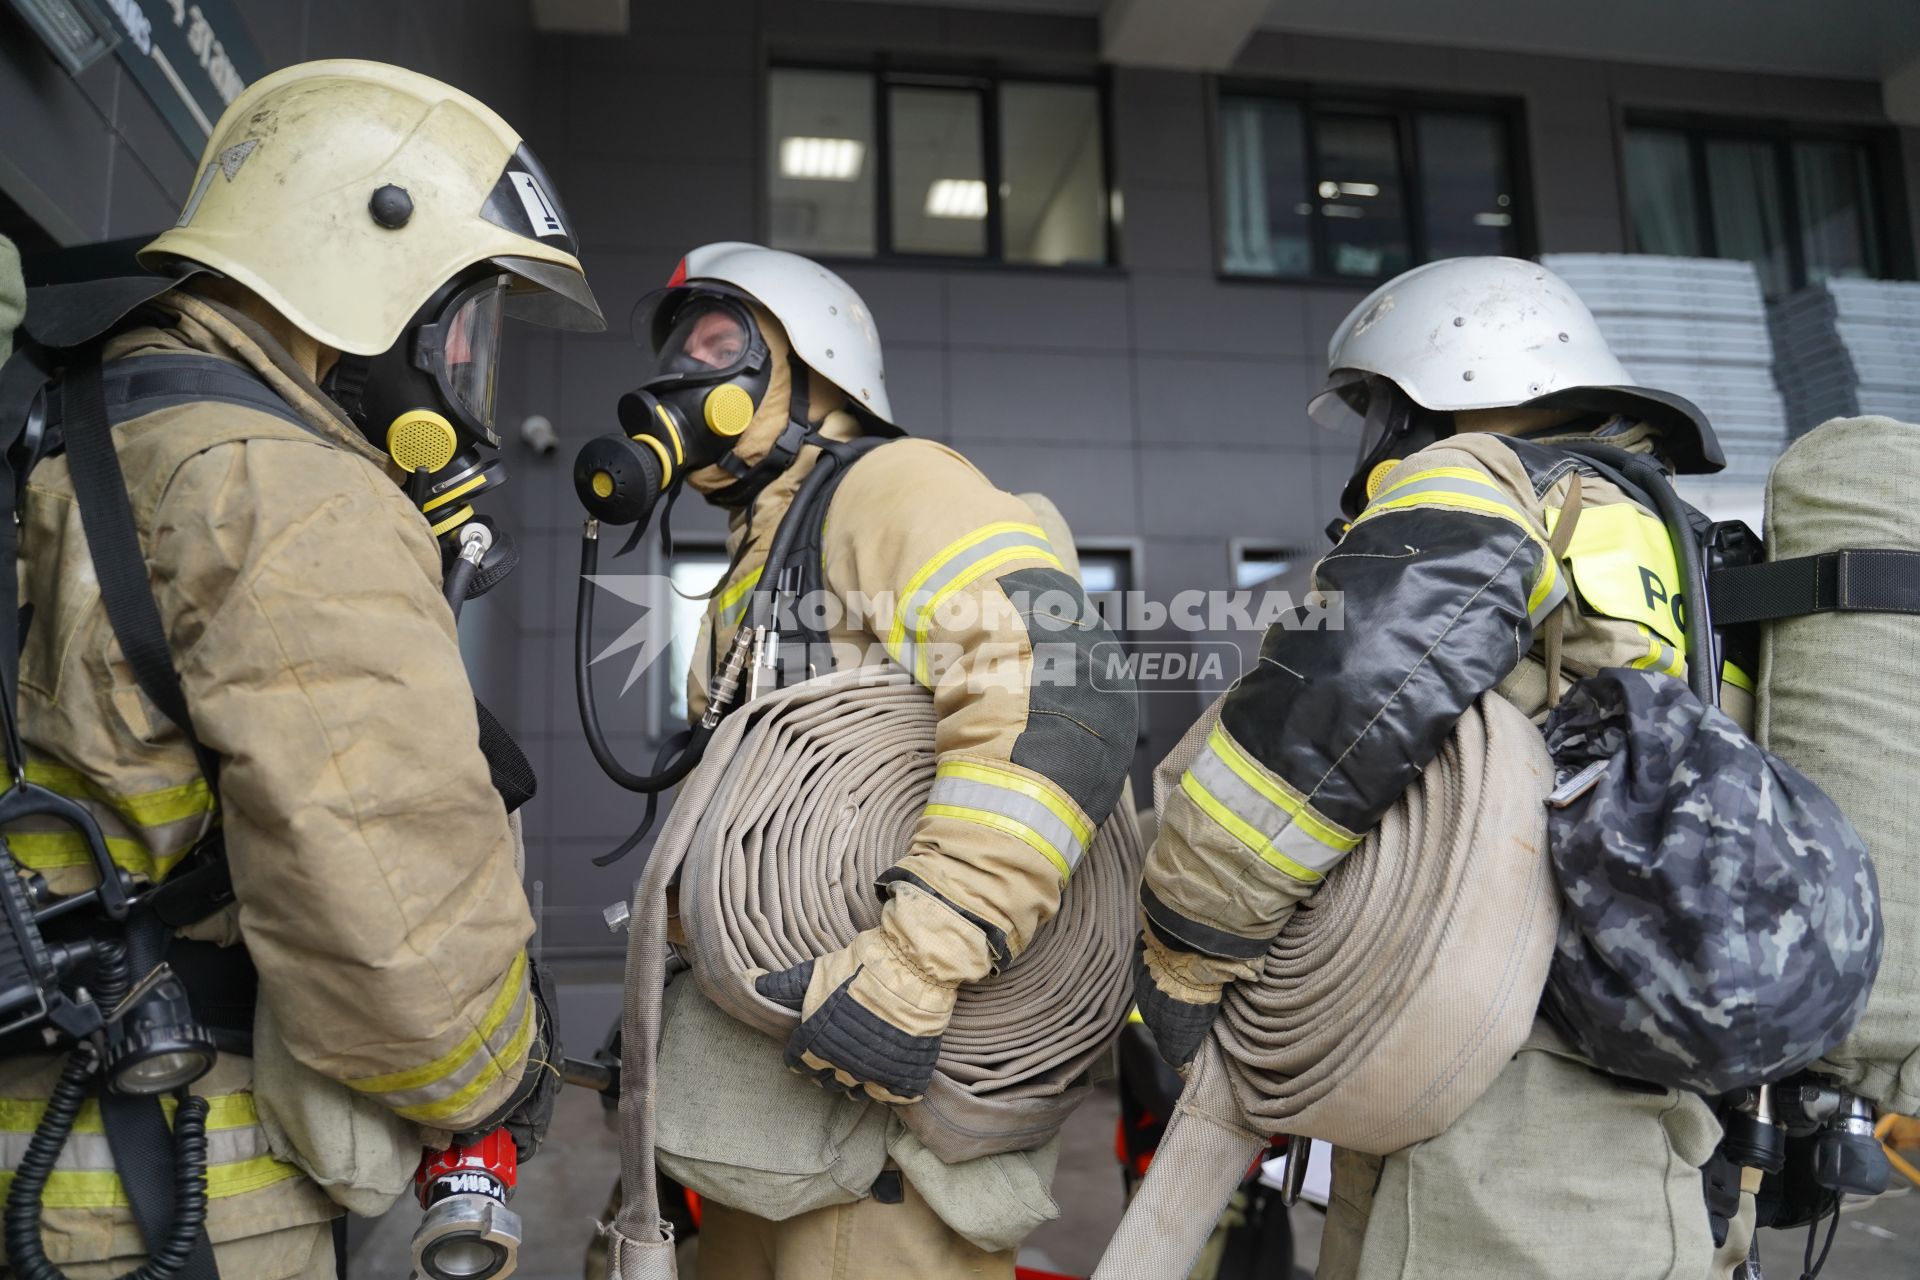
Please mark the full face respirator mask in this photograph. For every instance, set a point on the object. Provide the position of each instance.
(711, 372)
(1389, 425)
(428, 401)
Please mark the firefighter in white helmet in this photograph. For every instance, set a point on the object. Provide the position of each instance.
(1480, 555)
(760, 361)
(300, 403)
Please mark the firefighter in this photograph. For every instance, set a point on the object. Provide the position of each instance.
(301, 405)
(1480, 556)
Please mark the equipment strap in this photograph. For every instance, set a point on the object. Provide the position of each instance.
(137, 1132)
(100, 489)
(1853, 580)
(136, 1128)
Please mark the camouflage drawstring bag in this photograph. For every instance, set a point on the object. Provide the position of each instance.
(1721, 924)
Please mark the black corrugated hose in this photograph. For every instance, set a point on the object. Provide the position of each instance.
(26, 1253)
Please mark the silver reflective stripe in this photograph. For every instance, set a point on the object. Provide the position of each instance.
(90, 1152)
(491, 1048)
(1555, 594)
(1015, 807)
(1483, 491)
(1289, 838)
(923, 597)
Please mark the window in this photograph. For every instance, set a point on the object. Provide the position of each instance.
(1801, 209)
(694, 573)
(865, 164)
(1360, 192)
(1263, 564)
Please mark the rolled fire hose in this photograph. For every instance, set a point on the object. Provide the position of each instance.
(804, 797)
(1388, 1003)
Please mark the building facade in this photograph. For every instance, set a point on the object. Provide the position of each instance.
(1109, 283)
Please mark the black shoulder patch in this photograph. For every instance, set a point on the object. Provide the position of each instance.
(1081, 734)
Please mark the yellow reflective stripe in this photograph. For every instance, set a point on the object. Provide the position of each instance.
(453, 1104)
(51, 850)
(1736, 677)
(1026, 786)
(1659, 656)
(1437, 487)
(1244, 831)
(999, 822)
(1543, 589)
(101, 1189)
(224, 1111)
(736, 592)
(471, 1054)
(1250, 773)
(147, 808)
(972, 573)
(940, 559)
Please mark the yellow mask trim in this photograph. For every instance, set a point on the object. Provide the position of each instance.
(468, 487)
(666, 463)
(673, 433)
(454, 521)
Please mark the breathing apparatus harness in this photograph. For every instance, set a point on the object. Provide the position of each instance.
(1813, 1141)
(688, 416)
(101, 970)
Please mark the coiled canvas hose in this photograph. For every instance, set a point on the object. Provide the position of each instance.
(1389, 1001)
(804, 797)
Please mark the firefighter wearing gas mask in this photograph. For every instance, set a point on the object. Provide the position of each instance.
(760, 362)
(301, 404)
(1477, 554)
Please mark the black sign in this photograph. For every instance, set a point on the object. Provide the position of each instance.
(191, 59)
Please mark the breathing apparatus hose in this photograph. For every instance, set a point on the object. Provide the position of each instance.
(26, 1253)
(664, 775)
(682, 752)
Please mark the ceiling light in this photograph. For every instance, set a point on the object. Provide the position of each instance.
(1342, 211)
(1365, 190)
(829, 159)
(957, 198)
(1329, 190)
(1492, 219)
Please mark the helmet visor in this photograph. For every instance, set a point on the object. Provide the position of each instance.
(469, 348)
(1354, 407)
(712, 338)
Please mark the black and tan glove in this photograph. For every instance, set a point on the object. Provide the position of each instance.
(872, 1015)
(1178, 992)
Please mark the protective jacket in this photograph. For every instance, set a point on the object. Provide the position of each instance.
(372, 861)
(955, 580)
(1445, 585)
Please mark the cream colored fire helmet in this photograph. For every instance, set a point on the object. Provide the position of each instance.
(397, 220)
(1484, 333)
(347, 193)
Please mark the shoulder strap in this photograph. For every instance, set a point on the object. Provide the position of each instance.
(1853, 580)
(809, 543)
(136, 1129)
(106, 514)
